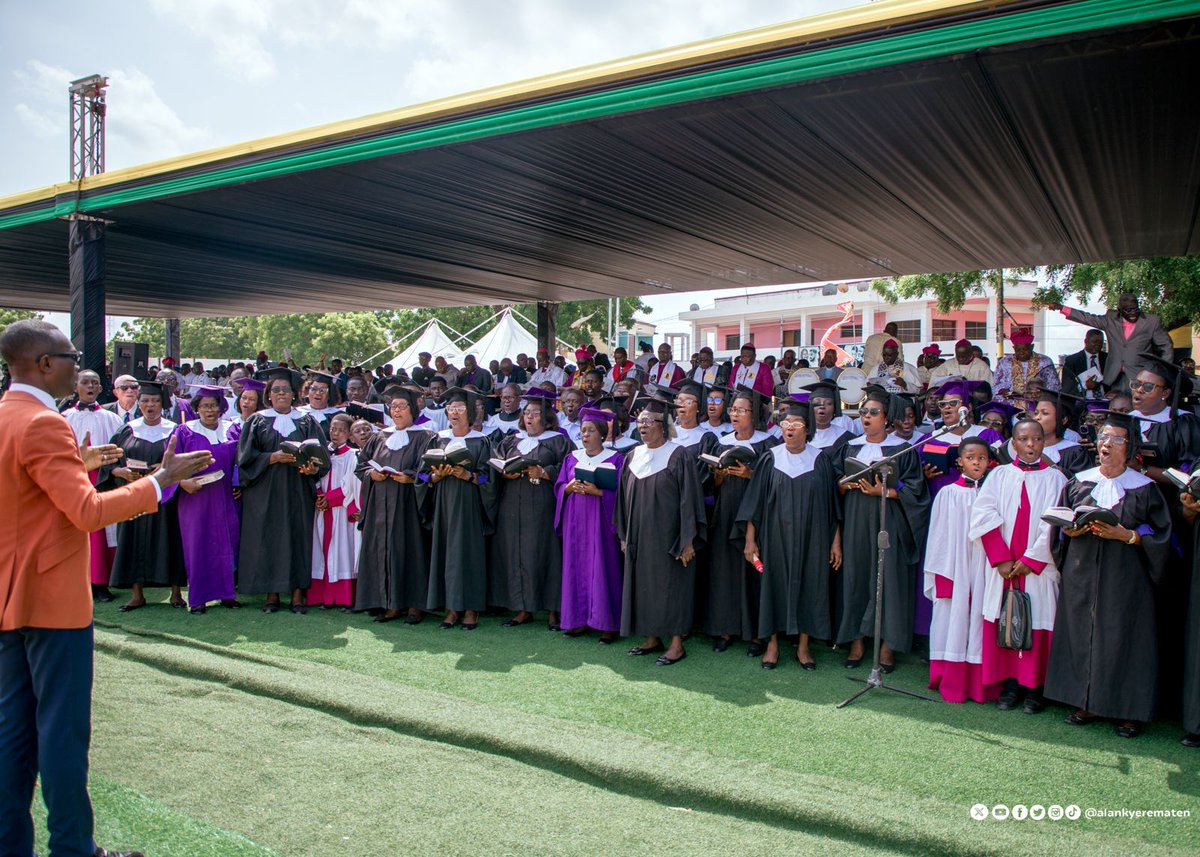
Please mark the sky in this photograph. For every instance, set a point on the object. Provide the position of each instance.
(187, 76)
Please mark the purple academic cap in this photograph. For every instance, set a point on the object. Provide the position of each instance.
(958, 387)
(597, 415)
(252, 384)
(201, 391)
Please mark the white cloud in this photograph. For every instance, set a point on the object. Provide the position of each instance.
(234, 27)
(39, 123)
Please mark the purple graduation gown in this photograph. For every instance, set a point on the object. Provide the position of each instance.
(208, 522)
(591, 565)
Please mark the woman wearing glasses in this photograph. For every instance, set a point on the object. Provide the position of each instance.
(462, 506)
(1054, 412)
(149, 549)
(732, 591)
(1104, 659)
(907, 520)
(279, 498)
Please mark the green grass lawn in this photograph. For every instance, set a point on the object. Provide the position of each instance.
(329, 734)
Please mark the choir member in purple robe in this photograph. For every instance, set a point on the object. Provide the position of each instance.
(93, 425)
(1006, 518)
(208, 520)
(956, 570)
(591, 587)
(148, 546)
(1105, 657)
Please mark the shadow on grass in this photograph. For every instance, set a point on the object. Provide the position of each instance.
(729, 677)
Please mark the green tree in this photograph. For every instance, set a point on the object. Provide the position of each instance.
(950, 290)
(1168, 286)
(223, 338)
(8, 316)
(307, 337)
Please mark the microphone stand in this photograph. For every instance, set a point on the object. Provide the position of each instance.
(883, 469)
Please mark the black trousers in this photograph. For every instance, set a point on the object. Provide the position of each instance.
(45, 728)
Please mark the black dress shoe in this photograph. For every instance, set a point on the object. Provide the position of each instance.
(1190, 740)
(469, 626)
(608, 639)
(720, 644)
(769, 665)
(638, 651)
(446, 626)
(664, 661)
(299, 609)
(130, 607)
(231, 604)
(1077, 719)
(1130, 729)
(853, 663)
(887, 669)
(271, 607)
(575, 632)
(1007, 700)
(555, 627)
(383, 617)
(808, 665)
(1034, 704)
(201, 609)
(107, 852)
(414, 620)
(178, 604)
(755, 650)
(513, 623)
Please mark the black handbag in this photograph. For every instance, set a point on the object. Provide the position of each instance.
(1014, 625)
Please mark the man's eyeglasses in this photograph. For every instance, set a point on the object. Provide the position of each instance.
(77, 356)
(127, 387)
(1144, 386)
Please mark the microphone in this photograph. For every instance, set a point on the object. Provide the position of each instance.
(963, 414)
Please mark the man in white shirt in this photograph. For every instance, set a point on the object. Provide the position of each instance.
(965, 363)
(547, 371)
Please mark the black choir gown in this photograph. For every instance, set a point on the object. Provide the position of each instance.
(278, 508)
(907, 523)
(1104, 652)
(795, 519)
(656, 516)
(526, 552)
(149, 547)
(462, 515)
(733, 592)
(1191, 671)
(693, 443)
(393, 562)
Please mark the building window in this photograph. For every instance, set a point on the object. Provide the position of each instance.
(909, 331)
(732, 343)
(976, 331)
(791, 339)
(944, 328)
(844, 333)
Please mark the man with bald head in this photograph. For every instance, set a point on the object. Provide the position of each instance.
(48, 508)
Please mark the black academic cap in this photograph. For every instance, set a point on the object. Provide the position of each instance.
(692, 388)
(758, 401)
(656, 405)
(1131, 424)
(155, 388)
(1175, 378)
(1067, 405)
(322, 377)
(901, 401)
(468, 394)
(283, 373)
(826, 388)
(402, 391)
(796, 408)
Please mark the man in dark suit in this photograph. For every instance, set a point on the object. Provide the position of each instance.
(1129, 332)
(126, 406)
(1087, 365)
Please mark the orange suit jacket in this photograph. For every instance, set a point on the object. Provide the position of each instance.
(47, 508)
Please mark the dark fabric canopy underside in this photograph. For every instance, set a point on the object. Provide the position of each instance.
(1071, 149)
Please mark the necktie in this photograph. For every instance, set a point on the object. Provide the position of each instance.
(1024, 465)
(92, 407)
(970, 483)
(127, 417)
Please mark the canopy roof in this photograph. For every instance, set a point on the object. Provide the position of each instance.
(901, 137)
(433, 339)
(507, 339)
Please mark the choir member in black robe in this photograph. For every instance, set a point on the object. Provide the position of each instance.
(1191, 672)
(1170, 438)
(526, 568)
(462, 511)
(149, 547)
(1104, 658)
(660, 521)
(393, 563)
(791, 513)
(733, 586)
(907, 520)
(832, 429)
(278, 497)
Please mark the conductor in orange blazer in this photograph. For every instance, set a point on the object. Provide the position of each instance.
(47, 508)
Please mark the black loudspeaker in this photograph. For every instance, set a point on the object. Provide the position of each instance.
(131, 358)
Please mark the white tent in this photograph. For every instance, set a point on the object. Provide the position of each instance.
(433, 339)
(507, 339)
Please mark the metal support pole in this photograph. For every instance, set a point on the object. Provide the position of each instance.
(85, 247)
(547, 323)
(1000, 316)
(172, 343)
